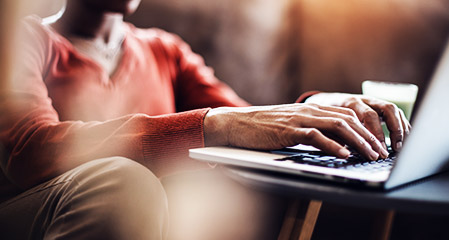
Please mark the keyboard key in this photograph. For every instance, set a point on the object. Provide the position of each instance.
(355, 162)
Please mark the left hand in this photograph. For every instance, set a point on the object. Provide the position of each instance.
(369, 110)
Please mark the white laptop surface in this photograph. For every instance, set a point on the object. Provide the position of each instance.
(425, 151)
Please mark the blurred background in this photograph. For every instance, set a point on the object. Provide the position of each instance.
(271, 51)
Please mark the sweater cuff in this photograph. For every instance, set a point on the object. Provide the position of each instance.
(166, 146)
(306, 95)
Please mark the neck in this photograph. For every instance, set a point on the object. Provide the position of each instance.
(81, 21)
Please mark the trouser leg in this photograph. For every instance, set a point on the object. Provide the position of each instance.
(113, 198)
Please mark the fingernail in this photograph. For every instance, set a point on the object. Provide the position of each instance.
(374, 155)
(398, 145)
(344, 152)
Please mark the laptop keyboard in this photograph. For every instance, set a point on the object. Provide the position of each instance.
(354, 162)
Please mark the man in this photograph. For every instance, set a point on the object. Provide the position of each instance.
(98, 110)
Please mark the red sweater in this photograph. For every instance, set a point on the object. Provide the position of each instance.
(62, 109)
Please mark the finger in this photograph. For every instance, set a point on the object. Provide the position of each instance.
(342, 110)
(393, 120)
(341, 128)
(405, 124)
(352, 138)
(335, 138)
(314, 137)
(392, 117)
(357, 126)
(370, 119)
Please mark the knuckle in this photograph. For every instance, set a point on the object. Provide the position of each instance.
(353, 99)
(372, 139)
(379, 135)
(352, 120)
(361, 143)
(390, 107)
(308, 108)
(311, 134)
(338, 123)
(352, 102)
(351, 112)
(370, 114)
(364, 143)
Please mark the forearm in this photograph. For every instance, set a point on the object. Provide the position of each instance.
(42, 147)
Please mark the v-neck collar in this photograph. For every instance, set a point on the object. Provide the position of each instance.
(122, 63)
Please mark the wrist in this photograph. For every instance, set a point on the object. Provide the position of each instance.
(330, 99)
(303, 98)
(321, 98)
(216, 128)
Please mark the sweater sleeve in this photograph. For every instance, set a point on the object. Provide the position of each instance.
(40, 146)
(304, 96)
(195, 84)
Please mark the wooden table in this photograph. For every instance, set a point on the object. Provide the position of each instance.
(430, 196)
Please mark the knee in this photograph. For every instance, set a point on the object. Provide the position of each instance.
(127, 175)
(122, 177)
(121, 198)
(128, 185)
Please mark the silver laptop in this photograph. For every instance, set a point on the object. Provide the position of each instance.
(425, 151)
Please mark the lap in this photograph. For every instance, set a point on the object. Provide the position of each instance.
(203, 204)
(100, 193)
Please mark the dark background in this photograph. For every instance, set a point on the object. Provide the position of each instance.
(271, 51)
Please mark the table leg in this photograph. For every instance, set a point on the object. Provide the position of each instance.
(300, 218)
(382, 225)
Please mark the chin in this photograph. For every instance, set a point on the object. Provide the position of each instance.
(125, 7)
(132, 6)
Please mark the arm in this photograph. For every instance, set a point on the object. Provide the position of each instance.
(195, 84)
(268, 127)
(41, 146)
(275, 126)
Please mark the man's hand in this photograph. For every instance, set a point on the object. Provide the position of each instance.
(369, 110)
(275, 127)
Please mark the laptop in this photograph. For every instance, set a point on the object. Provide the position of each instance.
(425, 151)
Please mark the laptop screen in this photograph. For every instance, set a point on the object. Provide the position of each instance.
(426, 149)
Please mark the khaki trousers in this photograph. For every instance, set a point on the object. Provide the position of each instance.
(117, 198)
(97, 200)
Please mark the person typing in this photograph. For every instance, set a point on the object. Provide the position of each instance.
(99, 110)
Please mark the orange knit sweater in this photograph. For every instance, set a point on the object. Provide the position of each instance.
(62, 109)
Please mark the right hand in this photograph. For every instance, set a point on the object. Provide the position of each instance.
(274, 127)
